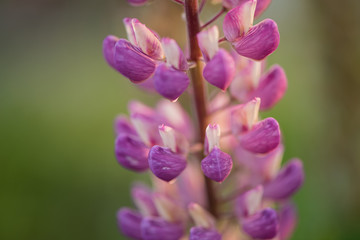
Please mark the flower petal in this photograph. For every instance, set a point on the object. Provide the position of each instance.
(109, 49)
(287, 182)
(261, 40)
(209, 42)
(169, 82)
(160, 229)
(131, 153)
(212, 138)
(169, 209)
(263, 137)
(166, 164)
(147, 41)
(131, 63)
(249, 202)
(200, 233)
(142, 197)
(272, 87)
(129, 222)
(217, 165)
(174, 55)
(220, 70)
(262, 225)
(239, 20)
(130, 31)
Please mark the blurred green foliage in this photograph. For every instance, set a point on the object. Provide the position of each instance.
(58, 98)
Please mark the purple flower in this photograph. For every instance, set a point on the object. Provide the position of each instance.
(220, 68)
(255, 42)
(249, 202)
(129, 222)
(262, 225)
(166, 164)
(131, 152)
(287, 182)
(137, 2)
(155, 228)
(287, 220)
(169, 82)
(143, 199)
(250, 82)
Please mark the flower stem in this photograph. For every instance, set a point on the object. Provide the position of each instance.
(214, 18)
(193, 27)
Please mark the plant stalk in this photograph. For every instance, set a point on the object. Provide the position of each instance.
(193, 28)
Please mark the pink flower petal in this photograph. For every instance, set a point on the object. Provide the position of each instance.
(261, 40)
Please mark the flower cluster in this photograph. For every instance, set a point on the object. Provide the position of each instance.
(223, 182)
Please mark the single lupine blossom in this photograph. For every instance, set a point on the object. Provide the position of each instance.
(217, 175)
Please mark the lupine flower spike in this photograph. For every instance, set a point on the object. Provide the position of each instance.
(217, 175)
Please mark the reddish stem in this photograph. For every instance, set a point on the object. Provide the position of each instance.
(213, 19)
(193, 28)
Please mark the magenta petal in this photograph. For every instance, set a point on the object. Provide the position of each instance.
(132, 63)
(220, 70)
(262, 225)
(169, 82)
(131, 153)
(217, 165)
(260, 41)
(137, 3)
(166, 164)
(287, 219)
(109, 49)
(272, 87)
(287, 182)
(200, 233)
(263, 137)
(129, 222)
(142, 196)
(160, 229)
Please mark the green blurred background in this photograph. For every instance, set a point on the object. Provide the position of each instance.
(58, 98)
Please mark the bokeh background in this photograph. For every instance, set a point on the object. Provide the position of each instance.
(58, 98)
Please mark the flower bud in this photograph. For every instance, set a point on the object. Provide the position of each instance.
(249, 202)
(147, 40)
(129, 222)
(131, 153)
(239, 20)
(156, 228)
(217, 165)
(287, 182)
(262, 225)
(200, 233)
(220, 70)
(132, 63)
(263, 137)
(260, 41)
(166, 164)
(212, 137)
(169, 82)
